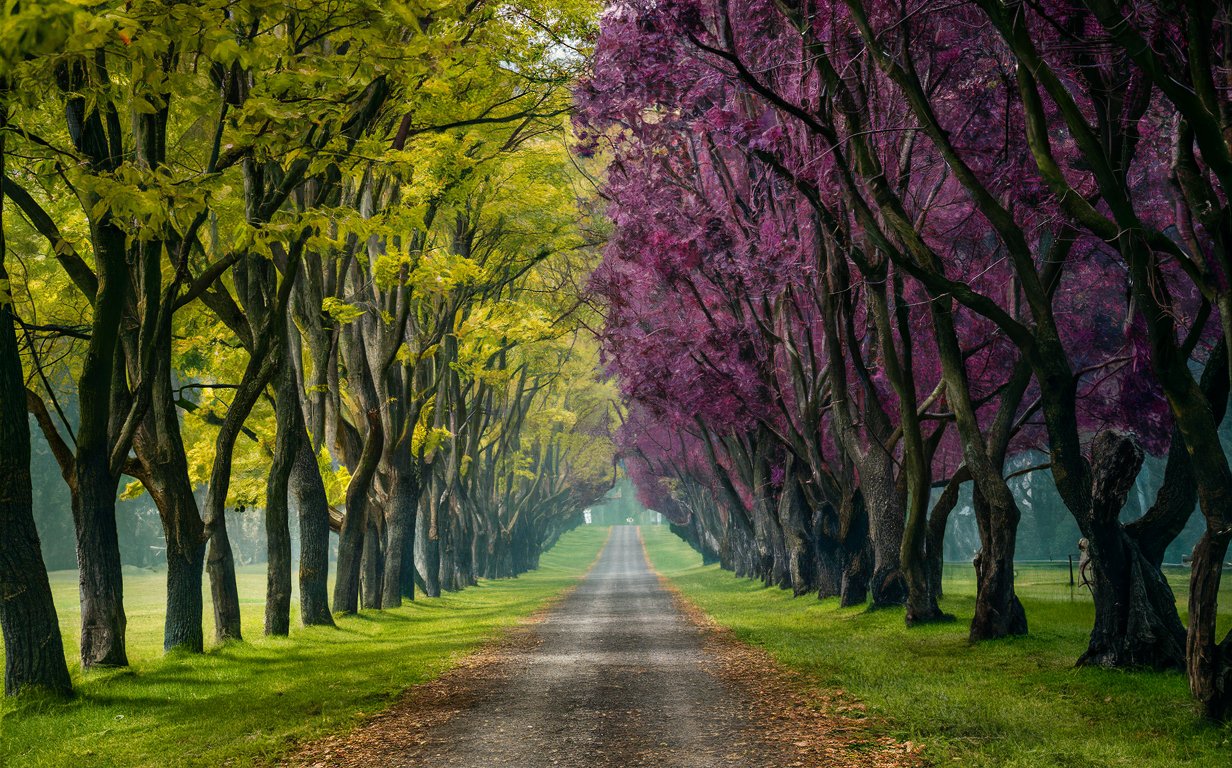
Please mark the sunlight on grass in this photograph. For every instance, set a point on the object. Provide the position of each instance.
(246, 703)
(1011, 703)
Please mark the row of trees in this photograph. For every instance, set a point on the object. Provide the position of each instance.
(869, 252)
(310, 256)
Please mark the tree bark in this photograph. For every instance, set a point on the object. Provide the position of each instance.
(33, 648)
(399, 536)
(277, 514)
(355, 522)
(313, 509)
(801, 563)
(857, 552)
(1136, 623)
(160, 449)
(998, 611)
(371, 566)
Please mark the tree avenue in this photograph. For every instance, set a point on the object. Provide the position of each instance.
(398, 288)
(300, 257)
(868, 253)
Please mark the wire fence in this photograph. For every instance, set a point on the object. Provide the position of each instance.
(1061, 580)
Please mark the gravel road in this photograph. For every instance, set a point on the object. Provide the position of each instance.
(616, 675)
(615, 679)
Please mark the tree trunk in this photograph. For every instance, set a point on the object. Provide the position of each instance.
(1209, 661)
(98, 560)
(399, 527)
(220, 564)
(160, 449)
(277, 513)
(801, 565)
(182, 626)
(998, 612)
(937, 520)
(827, 553)
(33, 649)
(351, 537)
(371, 566)
(886, 518)
(313, 509)
(428, 554)
(856, 552)
(1136, 624)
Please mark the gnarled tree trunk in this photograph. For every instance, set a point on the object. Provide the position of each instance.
(1136, 623)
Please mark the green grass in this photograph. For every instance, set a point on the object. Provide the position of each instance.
(247, 703)
(1009, 703)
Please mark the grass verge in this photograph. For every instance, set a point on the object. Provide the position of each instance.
(246, 704)
(1010, 703)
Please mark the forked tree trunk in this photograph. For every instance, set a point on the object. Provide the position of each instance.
(937, 521)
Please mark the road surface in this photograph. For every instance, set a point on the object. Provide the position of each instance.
(616, 675)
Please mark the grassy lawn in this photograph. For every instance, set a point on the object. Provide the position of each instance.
(1016, 702)
(246, 703)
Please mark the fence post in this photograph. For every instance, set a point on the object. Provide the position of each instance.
(1071, 570)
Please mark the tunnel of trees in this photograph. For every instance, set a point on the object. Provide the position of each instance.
(402, 284)
(869, 255)
(318, 260)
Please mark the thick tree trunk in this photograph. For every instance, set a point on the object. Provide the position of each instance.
(428, 553)
(856, 552)
(886, 519)
(98, 560)
(827, 554)
(922, 595)
(399, 527)
(406, 573)
(33, 649)
(801, 563)
(313, 509)
(182, 626)
(1136, 624)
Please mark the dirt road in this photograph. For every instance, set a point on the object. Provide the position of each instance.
(616, 675)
